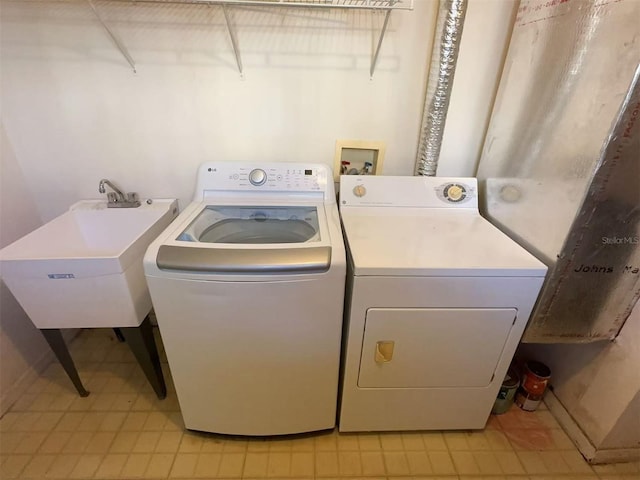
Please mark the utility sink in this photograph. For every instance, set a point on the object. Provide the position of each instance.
(84, 268)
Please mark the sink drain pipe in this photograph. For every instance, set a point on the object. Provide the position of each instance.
(439, 84)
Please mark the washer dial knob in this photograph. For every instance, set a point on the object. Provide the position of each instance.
(359, 190)
(257, 177)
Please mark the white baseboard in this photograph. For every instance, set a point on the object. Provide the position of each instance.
(572, 429)
(581, 441)
(616, 455)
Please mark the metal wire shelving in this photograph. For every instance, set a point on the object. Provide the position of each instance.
(386, 6)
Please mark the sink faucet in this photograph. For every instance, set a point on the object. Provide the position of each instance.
(117, 199)
(101, 189)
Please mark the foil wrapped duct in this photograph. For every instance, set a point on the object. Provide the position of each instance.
(444, 59)
(596, 280)
(560, 169)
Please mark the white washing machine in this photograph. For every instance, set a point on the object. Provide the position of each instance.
(437, 300)
(248, 288)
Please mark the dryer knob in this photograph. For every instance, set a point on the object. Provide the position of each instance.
(359, 190)
(454, 192)
(257, 177)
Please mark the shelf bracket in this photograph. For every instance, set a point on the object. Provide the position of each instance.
(374, 58)
(234, 38)
(113, 36)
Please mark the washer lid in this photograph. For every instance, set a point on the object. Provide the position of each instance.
(248, 239)
(432, 242)
(232, 224)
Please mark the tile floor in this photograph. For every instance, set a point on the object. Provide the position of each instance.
(122, 431)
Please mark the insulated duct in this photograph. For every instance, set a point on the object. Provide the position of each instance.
(439, 84)
(561, 162)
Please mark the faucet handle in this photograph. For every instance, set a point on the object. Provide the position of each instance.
(118, 200)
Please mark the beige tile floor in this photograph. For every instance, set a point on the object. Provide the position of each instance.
(122, 431)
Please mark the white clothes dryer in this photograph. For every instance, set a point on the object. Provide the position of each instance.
(248, 289)
(437, 300)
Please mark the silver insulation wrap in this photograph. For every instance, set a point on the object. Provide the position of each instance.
(560, 166)
(596, 280)
(440, 83)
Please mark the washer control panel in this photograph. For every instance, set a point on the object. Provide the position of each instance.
(282, 177)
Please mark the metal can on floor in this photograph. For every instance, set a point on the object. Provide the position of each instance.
(506, 393)
(535, 379)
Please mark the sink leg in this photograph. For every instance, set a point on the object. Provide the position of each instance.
(143, 346)
(54, 338)
(118, 334)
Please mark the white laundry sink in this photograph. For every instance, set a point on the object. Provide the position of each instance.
(84, 269)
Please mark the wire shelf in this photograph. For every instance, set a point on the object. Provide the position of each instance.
(362, 4)
(385, 6)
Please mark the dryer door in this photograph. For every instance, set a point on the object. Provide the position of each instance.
(431, 347)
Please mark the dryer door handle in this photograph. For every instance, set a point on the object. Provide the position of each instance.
(384, 351)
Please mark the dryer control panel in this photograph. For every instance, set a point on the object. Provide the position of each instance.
(267, 177)
(419, 192)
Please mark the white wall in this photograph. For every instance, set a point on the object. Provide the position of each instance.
(625, 432)
(76, 113)
(22, 348)
(485, 39)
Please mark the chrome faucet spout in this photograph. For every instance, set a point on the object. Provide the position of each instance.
(104, 182)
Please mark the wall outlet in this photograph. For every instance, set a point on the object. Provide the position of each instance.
(358, 157)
